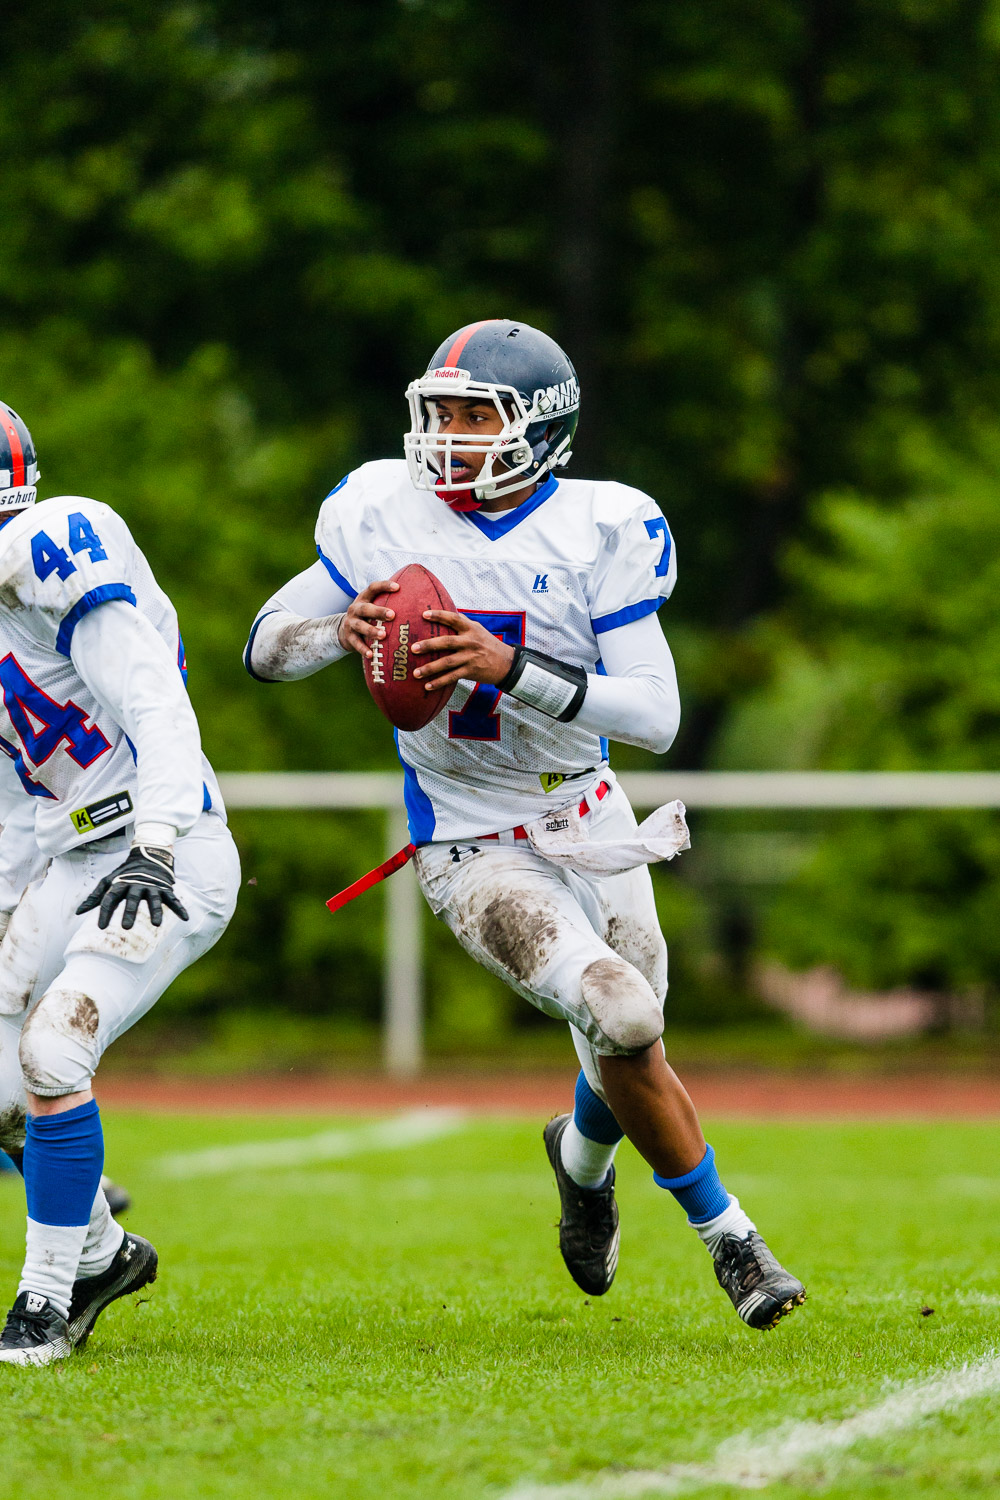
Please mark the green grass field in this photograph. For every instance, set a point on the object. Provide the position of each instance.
(399, 1324)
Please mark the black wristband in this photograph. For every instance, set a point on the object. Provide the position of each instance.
(543, 682)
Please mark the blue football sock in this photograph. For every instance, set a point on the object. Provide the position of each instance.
(592, 1117)
(63, 1162)
(699, 1192)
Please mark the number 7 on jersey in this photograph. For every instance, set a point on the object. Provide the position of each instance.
(479, 719)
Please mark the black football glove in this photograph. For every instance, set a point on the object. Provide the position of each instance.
(147, 875)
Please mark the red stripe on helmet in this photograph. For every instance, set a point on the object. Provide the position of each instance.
(462, 339)
(16, 451)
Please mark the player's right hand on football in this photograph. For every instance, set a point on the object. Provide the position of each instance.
(362, 623)
(147, 875)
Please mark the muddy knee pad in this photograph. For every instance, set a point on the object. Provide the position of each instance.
(59, 1049)
(625, 1010)
(641, 944)
(658, 977)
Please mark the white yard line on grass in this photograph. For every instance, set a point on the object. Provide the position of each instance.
(753, 1463)
(411, 1129)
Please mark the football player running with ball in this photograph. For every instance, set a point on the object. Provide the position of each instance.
(525, 845)
(102, 774)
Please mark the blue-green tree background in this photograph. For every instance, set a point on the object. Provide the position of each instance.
(769, 236)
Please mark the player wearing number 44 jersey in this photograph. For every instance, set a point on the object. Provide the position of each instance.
(116, 871)
(525, 844)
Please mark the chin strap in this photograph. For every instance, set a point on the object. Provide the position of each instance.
(463, 500)
(459, 499)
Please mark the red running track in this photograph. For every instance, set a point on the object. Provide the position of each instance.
(744, 1094)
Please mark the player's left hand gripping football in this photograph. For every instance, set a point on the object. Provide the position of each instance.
(147, 875)
(473, 653)
(361, 624)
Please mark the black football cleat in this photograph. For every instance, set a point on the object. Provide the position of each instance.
(134, 1266)
(119, 1200)
(761, 1290)
(588, 1225)
(34, 1334)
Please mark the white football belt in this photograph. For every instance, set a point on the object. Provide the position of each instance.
(564, 839)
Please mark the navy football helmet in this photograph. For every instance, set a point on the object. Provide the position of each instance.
(530, 381)
(18, 465)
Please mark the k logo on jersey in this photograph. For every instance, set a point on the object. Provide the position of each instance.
(541, 584)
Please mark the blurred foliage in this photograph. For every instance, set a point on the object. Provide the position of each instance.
(768, 236)
(888, 657)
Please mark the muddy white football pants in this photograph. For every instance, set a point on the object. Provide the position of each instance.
(585, 949)
(69, 989)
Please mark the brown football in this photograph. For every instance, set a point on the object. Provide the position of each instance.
(389, 673)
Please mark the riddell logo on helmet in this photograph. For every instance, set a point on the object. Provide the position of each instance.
(562, 397)
(445, 373)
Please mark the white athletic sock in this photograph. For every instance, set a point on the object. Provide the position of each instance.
(103, 1240)
(586, 1161)
(51, 1258)
(732, 1220)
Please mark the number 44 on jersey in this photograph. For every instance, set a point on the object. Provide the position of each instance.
(48, 557)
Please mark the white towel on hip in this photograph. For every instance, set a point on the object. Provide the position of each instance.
(564, 839)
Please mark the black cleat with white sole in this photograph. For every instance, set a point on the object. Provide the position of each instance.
(760, 1289)
(134, 1266)
(588, 1226)
(34, 1334)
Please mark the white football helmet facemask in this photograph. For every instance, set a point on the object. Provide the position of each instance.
(508, 456)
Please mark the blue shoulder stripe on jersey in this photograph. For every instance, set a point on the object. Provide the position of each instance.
(419, 807)
(626, 616)
(339, 485)
(496, 524)
(248, 648)
(91, 600)
(337, 576)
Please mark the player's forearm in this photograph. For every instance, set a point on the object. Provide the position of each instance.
(297, 631)
(170, 775)
(636, 709)
(633, 710)
(636, 702)
(130, 671)
(284, 647)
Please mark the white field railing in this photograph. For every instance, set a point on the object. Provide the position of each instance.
(403, 1024)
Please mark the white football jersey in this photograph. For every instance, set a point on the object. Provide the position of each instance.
(575, 560)
(58, 561)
